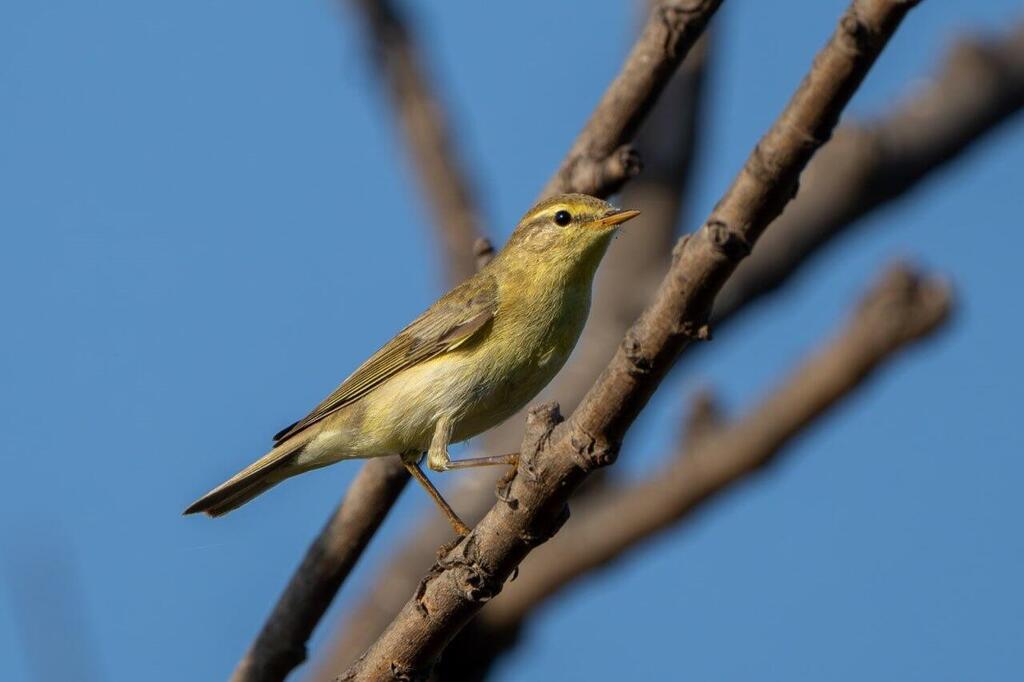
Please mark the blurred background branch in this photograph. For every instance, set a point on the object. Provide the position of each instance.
(426, 126)
(602, 157)
(280, 645)
(978, 86)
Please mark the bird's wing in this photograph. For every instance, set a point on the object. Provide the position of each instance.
(456, 318)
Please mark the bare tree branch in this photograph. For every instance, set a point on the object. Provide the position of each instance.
(281, 643)
(980, 85)
(600, 159)
(445, 184)
(483, 252)
(629, 275)
(900, 309)
(557, 457)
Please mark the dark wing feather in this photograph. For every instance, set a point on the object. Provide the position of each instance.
(457, 317)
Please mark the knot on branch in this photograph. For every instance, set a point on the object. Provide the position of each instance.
(632, 347)
(624, 163)
(677, 18)
(421, 588)
(483, 252)
(855, 36)
(604, 175)
(402, 672)
(541, 420)
(539, 534)
(906, 304)
(476, 582)
(727, 241)
(703, 419)
(679, 249)
(696, 330)
(466, 571)
(590, 452)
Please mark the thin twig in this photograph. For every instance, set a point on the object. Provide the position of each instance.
(601, 159)
(557, 457)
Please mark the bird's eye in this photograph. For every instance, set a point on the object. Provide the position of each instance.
(563, 218)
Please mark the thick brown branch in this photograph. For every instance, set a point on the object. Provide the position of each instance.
(445, 185)
(704, 261)
(601, 159)
(281, 643)
(980, 85)
(556, 458)
(715, 457)
(899, 310)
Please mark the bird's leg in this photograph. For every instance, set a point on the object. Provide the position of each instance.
(411, 462)
(437, 455)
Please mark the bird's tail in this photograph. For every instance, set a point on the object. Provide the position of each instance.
(257, 478)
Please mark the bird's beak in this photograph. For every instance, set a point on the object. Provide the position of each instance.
(616, 218)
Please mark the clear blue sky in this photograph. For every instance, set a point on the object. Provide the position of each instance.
(207, 222)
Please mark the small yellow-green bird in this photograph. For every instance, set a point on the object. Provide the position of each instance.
(472, 360)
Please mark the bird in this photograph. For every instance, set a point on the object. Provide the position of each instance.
(473, 359)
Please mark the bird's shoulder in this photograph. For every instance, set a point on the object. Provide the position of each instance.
(460, 315)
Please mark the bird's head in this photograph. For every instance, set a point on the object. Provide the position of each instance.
(567, 231)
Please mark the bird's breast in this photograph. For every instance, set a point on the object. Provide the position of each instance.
(529, 343)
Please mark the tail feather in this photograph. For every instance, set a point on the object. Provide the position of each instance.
(235, 499)
(258, 477)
